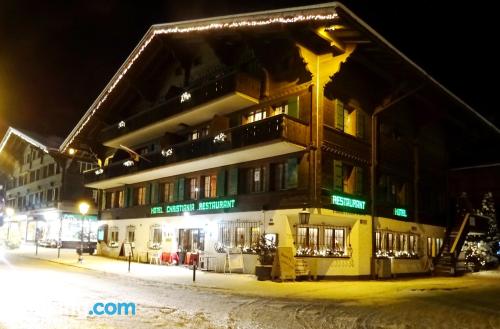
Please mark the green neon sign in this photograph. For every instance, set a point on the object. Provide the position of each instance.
(348, 202)
(400, 212)
(193, 207)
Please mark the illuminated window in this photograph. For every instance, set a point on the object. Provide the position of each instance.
(140, 196)
(239, 234)
(195, 134)
(349, 119)
(256, 115)
(334, 240)
(121, 199)
(168, 192)
(210, 186)
(347, 178)
(192, 184)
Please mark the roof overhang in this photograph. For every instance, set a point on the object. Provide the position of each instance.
(12, 131)
(327, 12)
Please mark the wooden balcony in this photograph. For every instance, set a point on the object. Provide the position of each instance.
(274, 136)
(221, 95)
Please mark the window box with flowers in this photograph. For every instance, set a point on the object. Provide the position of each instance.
(399, 245)
(322, 241)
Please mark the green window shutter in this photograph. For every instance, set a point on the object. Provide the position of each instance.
(293, 107)
(338, 178)
(359, 180)
(292, 173)
(233, 181)
(360, 124)
(176, 190)
(148, 193)
(180, 194)
(221, 183)
(103, 200)
(339, 115)
(128, 196)
(154, 193)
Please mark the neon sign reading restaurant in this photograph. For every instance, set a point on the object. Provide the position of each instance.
(348, 202)
(190, 207)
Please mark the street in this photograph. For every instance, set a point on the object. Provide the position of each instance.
(36, 293)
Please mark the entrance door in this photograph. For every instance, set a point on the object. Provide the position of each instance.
(191, 240)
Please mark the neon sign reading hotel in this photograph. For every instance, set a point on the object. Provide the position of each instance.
(190, 207)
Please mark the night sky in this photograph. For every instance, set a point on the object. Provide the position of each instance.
(56, 56)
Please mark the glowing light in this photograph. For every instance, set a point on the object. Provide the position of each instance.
(83, 207)
(348, 202)
(400, 212)
(167, 153)
(99, 171)
(121, 124)
(128, 163)
(9, 211)
(196, 28)
(220, 138)
(185, 97)
(71, 151)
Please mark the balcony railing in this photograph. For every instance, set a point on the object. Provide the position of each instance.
(276, 128)
(210, 90)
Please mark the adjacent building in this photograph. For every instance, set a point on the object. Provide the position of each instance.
(42, 191)
(302, 124)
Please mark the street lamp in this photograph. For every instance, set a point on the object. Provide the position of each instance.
(84, 208)
(304, 216)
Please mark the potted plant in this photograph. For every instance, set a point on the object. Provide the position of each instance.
(265, 254)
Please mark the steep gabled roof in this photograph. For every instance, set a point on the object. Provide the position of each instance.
(43, 143)
(322, 12)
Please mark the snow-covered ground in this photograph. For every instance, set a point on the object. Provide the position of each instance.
(36, 293)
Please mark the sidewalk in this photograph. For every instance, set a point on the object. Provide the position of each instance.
(361, 291)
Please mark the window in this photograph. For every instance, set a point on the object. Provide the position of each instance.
(44, 171)
(322, 241)
(120, 199)
(284, 175)
(194, 135)
(256, 115)
(192, 187)
(51, 170)
(307, 240)
(155, 236)
(131, 233)
(393, 190)
(349, 119)
(256, 179)
(244, 235)
(167, 192)
(429, 247)
(191, 240)
(113, 236)
(140, 196)
(396, 244)
(347, 178)
(210, 186)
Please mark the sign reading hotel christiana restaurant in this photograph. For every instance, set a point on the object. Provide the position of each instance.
(205, 205)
